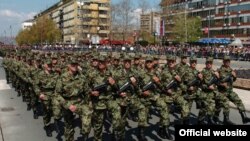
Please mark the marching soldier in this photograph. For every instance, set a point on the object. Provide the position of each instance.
(227, 77)
(103, 88)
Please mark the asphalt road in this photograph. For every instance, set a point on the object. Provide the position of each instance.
(18, 124)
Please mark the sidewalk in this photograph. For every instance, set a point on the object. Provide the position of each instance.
(244, 96)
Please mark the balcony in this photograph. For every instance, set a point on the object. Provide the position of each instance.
(104, 8)
(103, 16)
(232, 13)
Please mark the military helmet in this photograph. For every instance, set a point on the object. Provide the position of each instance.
(138, 56)
(226, 57)
(209, 59)
(127, 58)
(54, 56)
(184, 55)
(102, 58)
(73, 60)
(149, 58)
(193, 58)
(48, 61)
(171, 57)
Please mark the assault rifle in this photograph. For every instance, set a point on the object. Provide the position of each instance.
(101, 88)
(213, 80)
(228, 78)
(149, 86)
(171, 85)
(194, 82)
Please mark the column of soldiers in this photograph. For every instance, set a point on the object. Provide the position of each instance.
(94, 87)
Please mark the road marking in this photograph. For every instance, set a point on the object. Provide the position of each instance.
(4, 85)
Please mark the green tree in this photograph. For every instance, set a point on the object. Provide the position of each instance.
(44, 30)
(186, 28)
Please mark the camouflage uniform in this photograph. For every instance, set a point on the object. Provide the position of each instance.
(104, 102)
(191, 79)
(228, 92)
(209, 95)
(45, 85)
(73, 90)
(176, 97)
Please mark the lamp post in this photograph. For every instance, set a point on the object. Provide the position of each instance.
(209, 22)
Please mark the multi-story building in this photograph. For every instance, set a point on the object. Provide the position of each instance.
(80, 20)
(27, 24)
(149, 22)
(220, 18)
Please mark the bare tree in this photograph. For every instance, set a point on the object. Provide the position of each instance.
(124, 16)
(143, 5)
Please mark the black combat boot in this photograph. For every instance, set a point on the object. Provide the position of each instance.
(35, 114)
(186, 121)
(57, 125)
(211, 120)
(161, 133)
(244, 117)
(141, 135)
(48, 131)
(216, 120)
(18, 93)
(28, 106)
(167, 134)
(201, 121)
(226, 120)
(85, 137)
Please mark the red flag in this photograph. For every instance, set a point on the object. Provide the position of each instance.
(206, 30)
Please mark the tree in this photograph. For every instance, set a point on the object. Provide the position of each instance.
(188, 29)
(44, 30)
(125, 16)
(143, 5)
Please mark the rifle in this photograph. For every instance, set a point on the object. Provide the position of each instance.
(149, 86)
(101, 88)
(228, 78)
(126, 86)
(213, 80)
(171, 85)
(194, 82)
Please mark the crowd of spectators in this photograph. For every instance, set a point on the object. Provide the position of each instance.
(236, 53)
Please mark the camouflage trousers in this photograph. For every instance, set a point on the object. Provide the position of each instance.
(84, 110)
(208, 108)
(234, 98)
(7, 75)
(56, 107)
(47, 111)
(221, 102)
(131, 106)
(98, 117)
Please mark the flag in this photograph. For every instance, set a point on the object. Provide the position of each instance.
(206, 30)
(162, 28)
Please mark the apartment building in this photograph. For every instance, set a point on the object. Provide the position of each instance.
(149, 21)
(220, 18)
(80, 20)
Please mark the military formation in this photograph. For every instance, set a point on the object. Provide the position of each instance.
(118, 87)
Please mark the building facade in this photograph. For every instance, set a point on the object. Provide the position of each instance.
(149, 22)
(27, 24)
(80, 20)
(220, 18)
